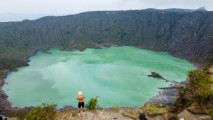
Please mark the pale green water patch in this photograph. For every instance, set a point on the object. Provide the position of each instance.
(118, 75)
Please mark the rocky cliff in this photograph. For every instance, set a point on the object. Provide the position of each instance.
(187, 35)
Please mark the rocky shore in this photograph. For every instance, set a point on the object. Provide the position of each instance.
(4, 103)
(167, 95)
(34, 51)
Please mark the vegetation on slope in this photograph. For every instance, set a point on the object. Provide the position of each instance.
(153, 110)
(10, 64)
(44, 112)
(183, 34)
(197, 96)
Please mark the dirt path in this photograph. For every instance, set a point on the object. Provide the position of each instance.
(92, 115)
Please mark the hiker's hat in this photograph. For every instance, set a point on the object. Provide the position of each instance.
(80, 93)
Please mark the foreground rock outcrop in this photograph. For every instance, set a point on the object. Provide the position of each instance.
(166, 97)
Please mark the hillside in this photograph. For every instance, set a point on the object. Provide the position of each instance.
(187, 35)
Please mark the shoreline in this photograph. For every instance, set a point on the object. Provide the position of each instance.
(5, 105)
(195, 64)
(34, 51)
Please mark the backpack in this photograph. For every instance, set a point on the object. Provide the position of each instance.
(142, 117)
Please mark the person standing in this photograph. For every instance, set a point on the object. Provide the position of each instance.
(80, 98)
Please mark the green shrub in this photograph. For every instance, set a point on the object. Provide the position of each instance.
(43, 112)
(92, 104)
(200, 85)
(155, 109)
(180, 90)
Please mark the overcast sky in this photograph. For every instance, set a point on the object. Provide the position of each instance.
(65, 7)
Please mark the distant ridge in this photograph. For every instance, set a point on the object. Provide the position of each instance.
(177, 9)
(11, 17)
(187, 35)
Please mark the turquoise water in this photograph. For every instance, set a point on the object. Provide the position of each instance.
(118, 75)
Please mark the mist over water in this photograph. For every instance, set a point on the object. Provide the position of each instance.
(118, 75)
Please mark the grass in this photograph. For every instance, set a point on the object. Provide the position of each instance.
(116, 109)
(154, 110)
